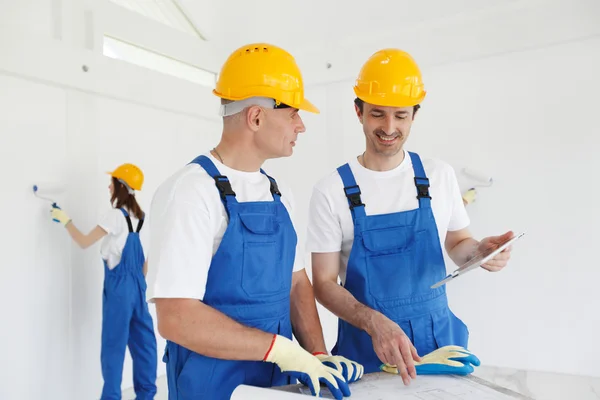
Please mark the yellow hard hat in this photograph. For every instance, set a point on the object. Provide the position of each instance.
(390, 77)
(130, 174)
(263, 70)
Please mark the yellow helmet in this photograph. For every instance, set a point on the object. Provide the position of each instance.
(263, 70)
(129, 174)
(390, 77)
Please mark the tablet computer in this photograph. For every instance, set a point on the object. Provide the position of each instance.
(479, 259)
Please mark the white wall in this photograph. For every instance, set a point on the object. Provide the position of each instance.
(529, 120)
(63, 126)
(35, 263)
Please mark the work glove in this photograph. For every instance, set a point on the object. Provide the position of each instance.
(447, 360)
(59, 216)
(469, 196)
(350, 370)
(293, 360)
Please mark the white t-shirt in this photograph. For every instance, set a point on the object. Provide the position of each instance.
(115, 224)
(188, 223)
(330, 226)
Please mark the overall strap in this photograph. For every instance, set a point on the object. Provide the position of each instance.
(222, 182)
(274, 188)
(421, 181)
(352, 192)
(129, 225)
(140, 223)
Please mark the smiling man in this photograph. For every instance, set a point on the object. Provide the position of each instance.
(379, 223)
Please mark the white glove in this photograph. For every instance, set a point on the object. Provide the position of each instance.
(59, 216)
(469, 196)
(293, 360)
(351, 370)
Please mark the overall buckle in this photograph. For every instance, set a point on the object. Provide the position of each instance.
(274, 188)
(422, 185)
(224, 186)
(354, 198)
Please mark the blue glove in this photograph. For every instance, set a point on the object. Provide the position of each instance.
(296, 362)
(351, 370)
(447, 360)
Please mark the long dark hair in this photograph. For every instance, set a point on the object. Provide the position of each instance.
(122, 198)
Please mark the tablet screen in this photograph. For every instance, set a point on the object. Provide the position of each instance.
(479, 258)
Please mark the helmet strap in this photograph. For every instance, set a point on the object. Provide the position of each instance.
(239, 106)
(129, 189)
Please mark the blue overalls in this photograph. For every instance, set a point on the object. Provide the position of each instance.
(249, 280)
(395, 258)
(126, 321)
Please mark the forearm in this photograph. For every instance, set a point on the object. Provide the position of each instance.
(341, 302)
(77, 236)
(463, 251)
(305, 318)
(204, 330)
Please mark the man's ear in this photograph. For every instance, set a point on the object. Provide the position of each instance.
(254, 117)
(415, 111)
(358, 113)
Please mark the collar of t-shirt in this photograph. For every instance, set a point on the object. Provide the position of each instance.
(251, 177)
(358, 169)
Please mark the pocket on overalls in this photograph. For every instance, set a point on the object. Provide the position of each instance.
(262, 268)
(448, 329)
(390, 259)
(196, 377)
(171, 376)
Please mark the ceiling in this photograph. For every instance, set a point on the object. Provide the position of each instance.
(300, 25)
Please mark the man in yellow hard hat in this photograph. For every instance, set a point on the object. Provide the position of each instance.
(224, 270)
(379, 223)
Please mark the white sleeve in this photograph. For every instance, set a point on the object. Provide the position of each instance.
(180, 250)
(110, 221)
(459, 219)
(324, 233)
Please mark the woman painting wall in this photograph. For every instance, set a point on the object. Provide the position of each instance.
(126, 320)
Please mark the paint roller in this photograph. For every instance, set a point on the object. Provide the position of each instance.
(44, 191)
(480, 179)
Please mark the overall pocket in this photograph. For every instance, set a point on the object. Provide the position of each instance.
(448, 329)
(262, 264)
(390, 262)
(196, 377)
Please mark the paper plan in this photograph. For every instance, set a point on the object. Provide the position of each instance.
(439, 387)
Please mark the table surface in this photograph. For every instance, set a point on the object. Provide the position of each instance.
(365, 387)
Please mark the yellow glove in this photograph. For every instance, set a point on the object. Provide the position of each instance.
(293, 360)
(59, 216)
(446, 360)
(351, 370)
(469, 196)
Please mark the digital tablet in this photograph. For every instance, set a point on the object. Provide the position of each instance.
(478, 260)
